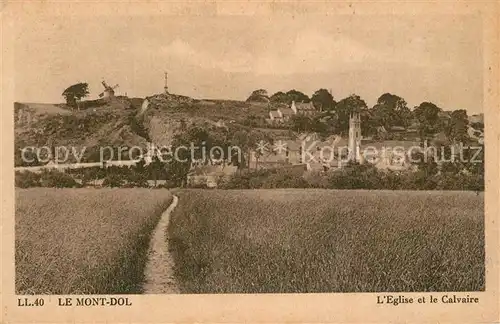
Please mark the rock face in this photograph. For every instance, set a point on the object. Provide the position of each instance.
(112, 124)
(163, 130)
(170, 100)
(145, 105)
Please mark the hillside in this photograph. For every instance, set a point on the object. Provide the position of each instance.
(168, 114)
(112, 123)
(130, 122)
(124, 122)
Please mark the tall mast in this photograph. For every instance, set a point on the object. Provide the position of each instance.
(166, 83)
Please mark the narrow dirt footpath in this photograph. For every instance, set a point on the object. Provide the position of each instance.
(159, 272)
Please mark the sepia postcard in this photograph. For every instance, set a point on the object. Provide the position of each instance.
(227, 162)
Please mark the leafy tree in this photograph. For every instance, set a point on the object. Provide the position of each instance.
(246, 141)
(321, 125)
(297, 96)
(27, 179)
(344, 108)
(391, 110)
(279, 97)
(259, 95)
(156, 169)
(301, 123)
(241, 139)
(368, 125)
(177, 171)
(58, 179)
(458, 126)
(139, 167)
(255, 141)
(323, 100)
(427, 114)
(75, 93)
(179, 164)
(288, 97)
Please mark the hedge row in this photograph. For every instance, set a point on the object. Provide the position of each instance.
(349, 177)
(356, 177)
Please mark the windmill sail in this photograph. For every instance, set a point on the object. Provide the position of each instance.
(108, 91)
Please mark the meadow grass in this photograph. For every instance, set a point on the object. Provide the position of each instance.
(308, 240)
(84, 241)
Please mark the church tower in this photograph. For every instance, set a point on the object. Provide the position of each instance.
(354, 137)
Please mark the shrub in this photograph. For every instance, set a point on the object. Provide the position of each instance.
(135, 179)
(248, 179)
(423, 181)
(391, 180)
(457, 181)
(285, 179)
(27, 179)
(476, 182)
(168, 185)
(57, 179)
(355, 176)
(113, 180)
(94, 173)
(316, 179)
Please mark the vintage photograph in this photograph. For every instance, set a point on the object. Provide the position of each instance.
(249, 154)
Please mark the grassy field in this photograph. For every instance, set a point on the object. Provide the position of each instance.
(83, 241)
(271, 241)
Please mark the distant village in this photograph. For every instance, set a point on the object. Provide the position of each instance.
(351, 145)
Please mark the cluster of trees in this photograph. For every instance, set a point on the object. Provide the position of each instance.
(123, 176)
(224, 139)
(261, 95)
(47, 178)
(390, 111)
(356, 176)
(174, 170)
(450, 176)
(113, 176)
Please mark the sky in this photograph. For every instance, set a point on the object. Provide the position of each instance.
(420, 58)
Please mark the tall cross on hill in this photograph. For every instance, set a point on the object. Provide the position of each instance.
(166, 83)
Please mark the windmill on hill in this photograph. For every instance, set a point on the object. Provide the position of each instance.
(109, 92)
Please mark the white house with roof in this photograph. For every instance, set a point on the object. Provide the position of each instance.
(284, 113)
(303, 108)
(281, 114)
